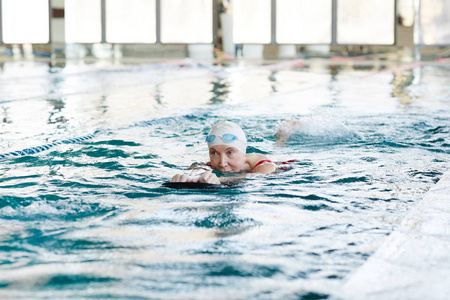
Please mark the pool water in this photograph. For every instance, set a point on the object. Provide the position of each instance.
(91, 219)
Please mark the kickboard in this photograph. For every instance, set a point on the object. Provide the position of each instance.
(194, 185)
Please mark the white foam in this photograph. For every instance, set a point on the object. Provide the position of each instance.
(320, 125)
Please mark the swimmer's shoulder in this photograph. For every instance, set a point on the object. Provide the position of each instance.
(260, 163)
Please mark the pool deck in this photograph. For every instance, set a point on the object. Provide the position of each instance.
(414, 261)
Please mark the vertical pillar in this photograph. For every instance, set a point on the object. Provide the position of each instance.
(158, 21)
(103, 20)
(1, 27)
(418, 36)
(334, 22)
(273, 23)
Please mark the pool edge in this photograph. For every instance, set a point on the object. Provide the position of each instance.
(413, 262)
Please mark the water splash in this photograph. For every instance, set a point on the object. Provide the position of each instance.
(318, 129)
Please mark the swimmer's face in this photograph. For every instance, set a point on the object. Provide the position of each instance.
(226, 159)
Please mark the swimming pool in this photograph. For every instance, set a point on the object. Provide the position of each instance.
(90, 219)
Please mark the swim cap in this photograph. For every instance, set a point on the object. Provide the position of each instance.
(227, 127)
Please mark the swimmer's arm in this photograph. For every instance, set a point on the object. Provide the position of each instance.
(265, 168)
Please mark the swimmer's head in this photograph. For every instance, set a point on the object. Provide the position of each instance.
(227, 133)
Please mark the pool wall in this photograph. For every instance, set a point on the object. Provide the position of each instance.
(413, 262)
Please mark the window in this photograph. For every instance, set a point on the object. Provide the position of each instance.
(83, 21)
(303, 21)
(186, 21)
(366, 22)
(23, 26)
(252, 21)
(130, 21)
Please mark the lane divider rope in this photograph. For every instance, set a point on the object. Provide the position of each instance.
(38, 149)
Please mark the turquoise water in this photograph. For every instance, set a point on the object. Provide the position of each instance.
(91, 220)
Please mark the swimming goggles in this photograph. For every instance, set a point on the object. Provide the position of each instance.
(227, 137)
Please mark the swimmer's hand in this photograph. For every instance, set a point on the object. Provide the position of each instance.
(209, 177)
(206, 177)
(182, 178)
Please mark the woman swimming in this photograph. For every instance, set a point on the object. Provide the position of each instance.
(227, 153)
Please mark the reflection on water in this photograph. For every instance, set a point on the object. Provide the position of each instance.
(91, 220)
(401, 81)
